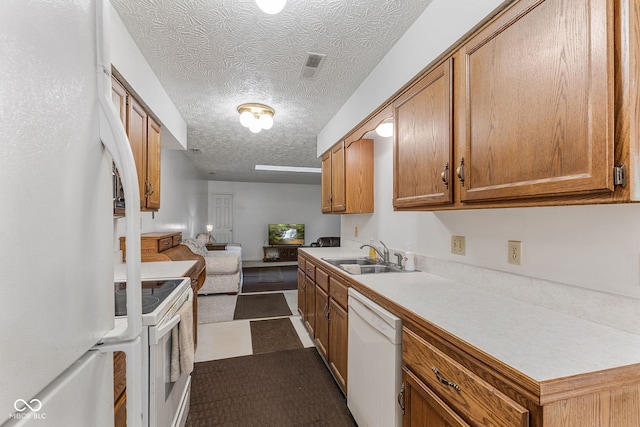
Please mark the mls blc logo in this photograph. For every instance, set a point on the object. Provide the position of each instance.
(30, 409)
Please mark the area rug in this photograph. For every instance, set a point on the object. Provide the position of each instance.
(283, 388)
(263, 279)
(260, 306)
(273, 335)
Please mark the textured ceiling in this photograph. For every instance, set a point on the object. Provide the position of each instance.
(213, 55)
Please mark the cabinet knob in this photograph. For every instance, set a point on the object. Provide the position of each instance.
(460, 172)
(445, 176)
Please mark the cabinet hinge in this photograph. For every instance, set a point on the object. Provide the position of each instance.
(620, 175)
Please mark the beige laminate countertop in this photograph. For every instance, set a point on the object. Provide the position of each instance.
(155, 270)
(536, 341)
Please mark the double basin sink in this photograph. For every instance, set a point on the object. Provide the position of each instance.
(363, 265)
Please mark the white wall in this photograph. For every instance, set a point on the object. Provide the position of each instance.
(129, 61)
(257, 204)
(594, 247)
(183, 204)
(441, 24)
(183, 201)
(585, 247)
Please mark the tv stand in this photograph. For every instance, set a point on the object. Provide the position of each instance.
(280, 253)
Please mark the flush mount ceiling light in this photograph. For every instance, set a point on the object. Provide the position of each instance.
(271, 6)
(256, 116)
(385, 129)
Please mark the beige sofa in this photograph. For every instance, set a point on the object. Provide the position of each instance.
(224, 268)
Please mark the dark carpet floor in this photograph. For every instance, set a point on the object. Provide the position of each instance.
(273, 335)
(280, 389)
(263, 279)
(260, 306)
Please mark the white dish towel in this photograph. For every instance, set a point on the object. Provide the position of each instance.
(182, 348)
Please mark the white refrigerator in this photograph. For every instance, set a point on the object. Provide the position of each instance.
(59, 134)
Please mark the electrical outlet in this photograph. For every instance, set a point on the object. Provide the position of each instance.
(457, 245)
(515, 252)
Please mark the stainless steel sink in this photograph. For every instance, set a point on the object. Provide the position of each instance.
(362, 265)
(359, 261)
(373, 269)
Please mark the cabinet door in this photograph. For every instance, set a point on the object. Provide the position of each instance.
(338, 190)
(302, 278)
(338, 342)
(119, 98)
(358, 173)
(310, 306)
(422, 407)
(423, 149)
(326, 182)
(153, 165)
(538, 119)
(137, 132)
(322, 321)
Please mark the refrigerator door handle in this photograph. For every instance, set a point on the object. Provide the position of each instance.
(115, 140)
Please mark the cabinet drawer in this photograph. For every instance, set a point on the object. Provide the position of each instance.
(301, 263)
(322, 280)
(339, 292)
(310, 269)
(164, 244)
(177, 239)
(467, 394)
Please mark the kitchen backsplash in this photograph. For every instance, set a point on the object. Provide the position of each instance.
(612, 310)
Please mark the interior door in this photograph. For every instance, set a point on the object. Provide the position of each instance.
(221, 217)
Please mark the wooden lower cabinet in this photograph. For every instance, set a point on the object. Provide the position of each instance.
(322, 322)
(422, 407)
(464, 393)
(338, 342)
(322, 304)
(119, 389)
(302, 300)
(310, 306)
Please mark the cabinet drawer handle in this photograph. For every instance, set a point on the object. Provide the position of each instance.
(401, 398)
(460, 172)
(445, 176)
(445, 381)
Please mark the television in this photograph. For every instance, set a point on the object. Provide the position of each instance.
(286, 234)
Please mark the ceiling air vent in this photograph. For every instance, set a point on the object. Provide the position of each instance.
(312, 64)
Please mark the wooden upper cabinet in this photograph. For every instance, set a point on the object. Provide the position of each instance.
(144, 137)
(423, 146)
(358, 159)
(347, 177)
(326, 182)
(137, 133)
(153, 165)
(535, 93)
(119, 99)
(338, 190)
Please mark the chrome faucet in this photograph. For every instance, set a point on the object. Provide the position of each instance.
(384, 254)
(400, 257)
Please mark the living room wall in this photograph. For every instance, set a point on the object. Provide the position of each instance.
(183, 201)
(257, 204)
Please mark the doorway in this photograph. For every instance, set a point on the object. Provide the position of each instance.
(221, 216)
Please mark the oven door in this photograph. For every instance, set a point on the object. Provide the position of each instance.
(168, 401)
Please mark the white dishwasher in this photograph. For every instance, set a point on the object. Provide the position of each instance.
(373, 370)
